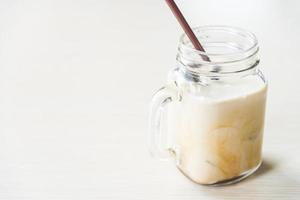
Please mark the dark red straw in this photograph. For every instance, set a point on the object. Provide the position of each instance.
(186, 27)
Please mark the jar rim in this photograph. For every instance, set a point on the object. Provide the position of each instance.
(185, 47)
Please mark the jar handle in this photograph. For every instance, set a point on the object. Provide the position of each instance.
(158, 142)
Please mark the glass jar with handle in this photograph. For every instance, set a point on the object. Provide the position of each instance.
(210, 115)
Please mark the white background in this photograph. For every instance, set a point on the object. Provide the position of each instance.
(76, 78)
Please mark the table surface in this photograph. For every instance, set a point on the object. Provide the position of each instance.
(76, 79)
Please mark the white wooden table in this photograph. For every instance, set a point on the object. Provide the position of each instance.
(76, 78)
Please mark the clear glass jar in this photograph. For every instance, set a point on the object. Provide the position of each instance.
(213, 111)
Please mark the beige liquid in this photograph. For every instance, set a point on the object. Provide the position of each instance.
(220, 139)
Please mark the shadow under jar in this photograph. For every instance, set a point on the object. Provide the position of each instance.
(210, 115)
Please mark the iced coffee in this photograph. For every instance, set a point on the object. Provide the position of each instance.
(219, 137)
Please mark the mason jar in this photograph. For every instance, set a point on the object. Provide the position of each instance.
(210, 115)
